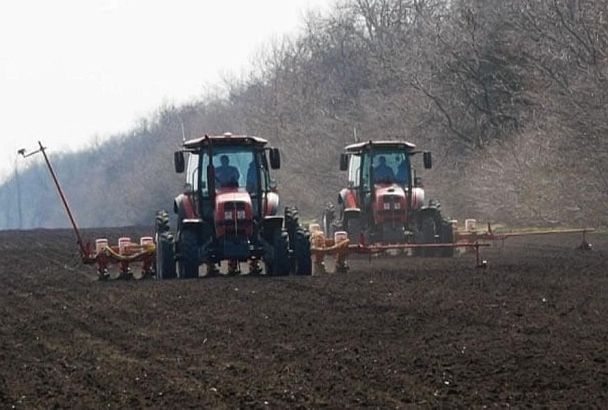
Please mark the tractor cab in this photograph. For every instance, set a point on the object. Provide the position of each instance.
(229, 211)
(383, 200)
(230, 172)
(379, 164)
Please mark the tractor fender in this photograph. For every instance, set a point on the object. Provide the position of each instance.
(417, 197)
(348, 199)
(271, 204)
(183, 206)
(427, 211)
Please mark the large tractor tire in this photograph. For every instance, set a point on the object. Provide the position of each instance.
(278, 263)
(428, 232)
(164, 261)
(447, 236)
(188, 255)
(353, 229)
(165, 256)
(292, 222)
(299, 243)
(302, 256)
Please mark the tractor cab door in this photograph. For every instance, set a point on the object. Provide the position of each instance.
(192, 184)
(356, 179)
(365, 189)
(258, 182)
(206, 205)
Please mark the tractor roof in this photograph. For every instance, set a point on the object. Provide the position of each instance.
(225, 139)
(360, 146)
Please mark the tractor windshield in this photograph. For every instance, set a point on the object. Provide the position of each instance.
(391, 166)
(235, 167)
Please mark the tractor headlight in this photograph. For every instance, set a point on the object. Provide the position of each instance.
(227, 214)
(397, 205)
(387, 206)
(240, 214)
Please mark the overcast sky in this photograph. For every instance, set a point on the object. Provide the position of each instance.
(75, 70)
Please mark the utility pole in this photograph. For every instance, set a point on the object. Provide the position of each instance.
(19, 209)
(83, 251)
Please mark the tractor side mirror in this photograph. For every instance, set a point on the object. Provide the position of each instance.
(343, 162)
(179, 162)
(427, 159)
(275, 158)
(211, 178)
(418, 182)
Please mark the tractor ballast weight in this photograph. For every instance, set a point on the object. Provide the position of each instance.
(383, 202)
(229, 211)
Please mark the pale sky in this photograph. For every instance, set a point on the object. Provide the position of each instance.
(75, 70)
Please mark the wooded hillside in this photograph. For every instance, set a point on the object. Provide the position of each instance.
(510, 95)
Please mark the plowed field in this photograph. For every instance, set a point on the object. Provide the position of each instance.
(532, 329)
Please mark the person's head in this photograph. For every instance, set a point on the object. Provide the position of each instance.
(224, 160)
(381, 160)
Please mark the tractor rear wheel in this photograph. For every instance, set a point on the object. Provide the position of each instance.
(353, 229)
(188, 255)
(278, 263)
(165, 256)
(447, 236)
(292, 224)
(427, 234)
(299, 243)
(303, 261)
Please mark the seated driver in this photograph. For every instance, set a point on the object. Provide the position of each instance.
(226, 175)
(383, 173)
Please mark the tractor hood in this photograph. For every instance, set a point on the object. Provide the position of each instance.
(233, 213)
(389, 189)
(394, 191)
(391, 202)
(232, 195)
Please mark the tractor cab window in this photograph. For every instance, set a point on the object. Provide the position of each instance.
(365, 174)
(192, 171)
(391, 166)
(264, 176)
(354, 171)
(235, 167)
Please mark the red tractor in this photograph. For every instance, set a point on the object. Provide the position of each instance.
(229, 212)
(384, 199)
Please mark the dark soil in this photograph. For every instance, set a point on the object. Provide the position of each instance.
(532, 329)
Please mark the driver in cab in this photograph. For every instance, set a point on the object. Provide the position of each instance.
(226, 175)
(382, 172)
